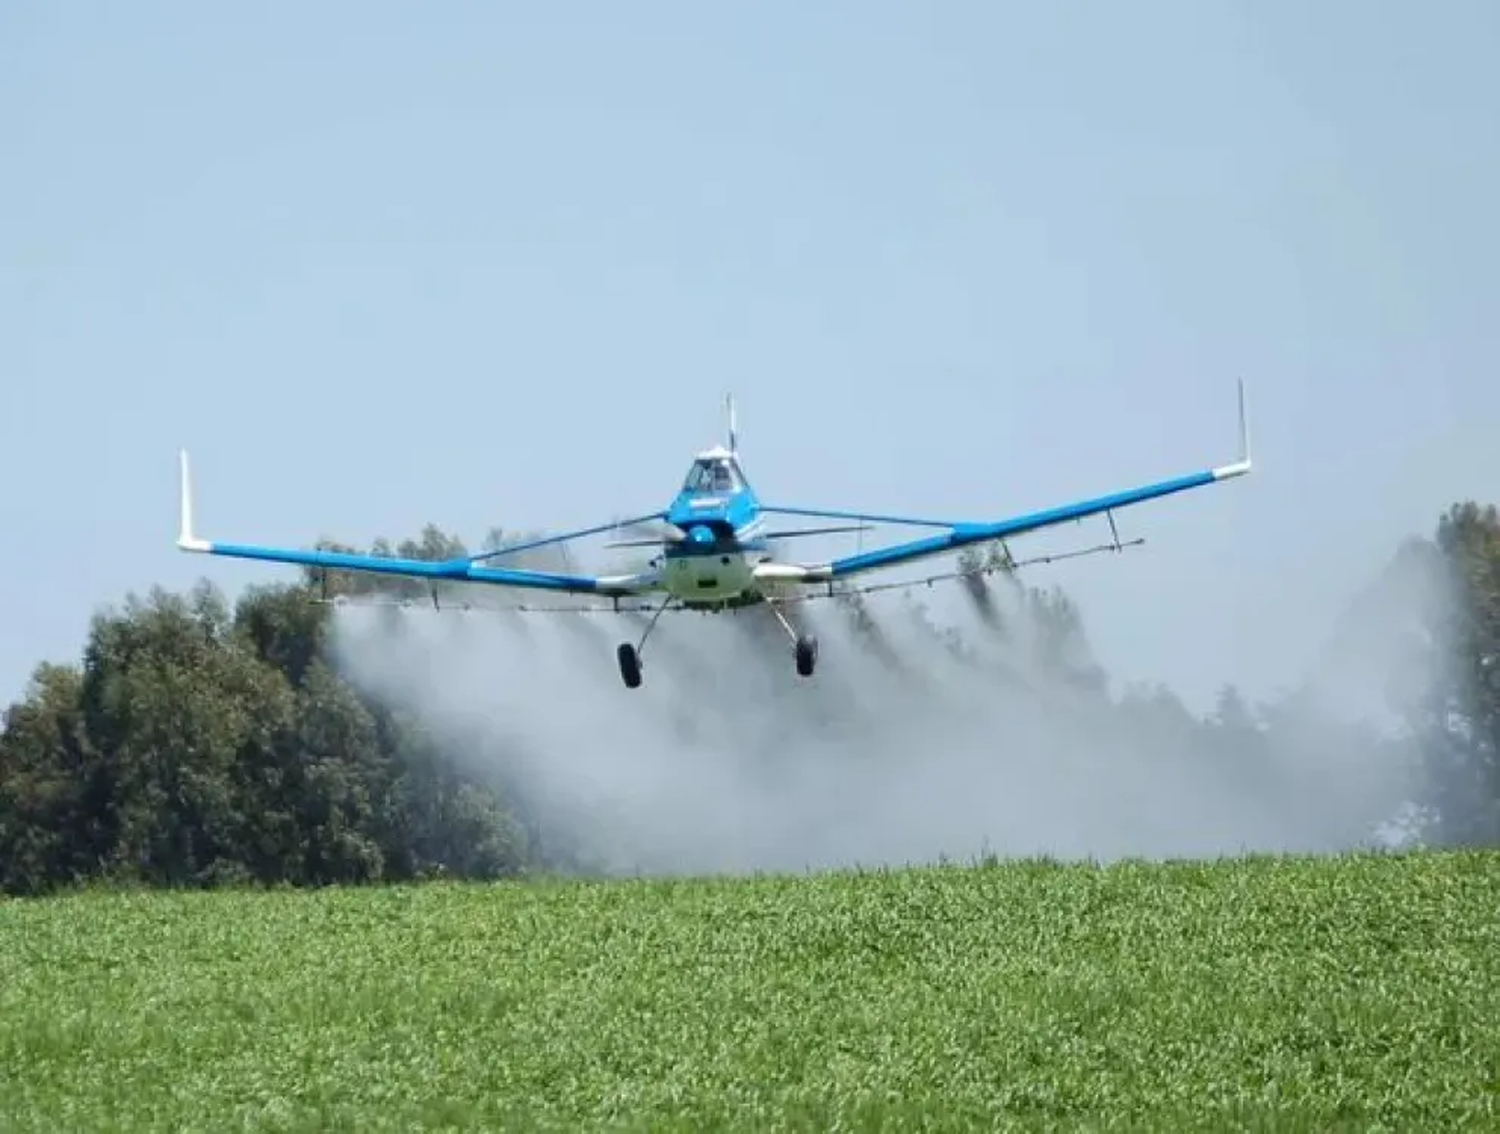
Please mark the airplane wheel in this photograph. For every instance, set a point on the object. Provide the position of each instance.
(807, 655)
(630, 665)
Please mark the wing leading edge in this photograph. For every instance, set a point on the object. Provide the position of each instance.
(465, 569)
(960, 535)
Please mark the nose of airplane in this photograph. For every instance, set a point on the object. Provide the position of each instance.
(701, 533)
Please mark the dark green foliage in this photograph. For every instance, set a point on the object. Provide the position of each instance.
(1455, 710)
(196, 746)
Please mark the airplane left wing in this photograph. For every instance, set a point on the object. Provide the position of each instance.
(960, 535)
(461, 570)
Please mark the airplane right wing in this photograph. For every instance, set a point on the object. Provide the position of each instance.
(962, 534)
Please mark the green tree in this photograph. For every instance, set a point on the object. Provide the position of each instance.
(190, 724)
(54, 790)
(1457, 717)
(198, 745)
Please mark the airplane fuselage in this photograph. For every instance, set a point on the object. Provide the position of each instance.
(708, 579)
(718, 511)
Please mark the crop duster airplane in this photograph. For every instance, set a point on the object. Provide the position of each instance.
(715, 549)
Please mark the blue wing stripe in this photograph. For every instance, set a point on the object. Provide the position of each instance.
(457, 570)
(962, 535)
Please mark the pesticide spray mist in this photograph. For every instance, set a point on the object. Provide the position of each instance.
(930, 731)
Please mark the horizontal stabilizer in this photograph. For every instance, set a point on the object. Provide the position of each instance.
(637, 522)
(793, 533)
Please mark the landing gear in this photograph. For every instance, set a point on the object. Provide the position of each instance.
(630, 665)
(630, 655)
(804, 646)
(807, 655)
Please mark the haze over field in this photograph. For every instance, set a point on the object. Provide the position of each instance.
(928, 733)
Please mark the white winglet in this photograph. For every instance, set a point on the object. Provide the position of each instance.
(185, 537)
(1241, 466)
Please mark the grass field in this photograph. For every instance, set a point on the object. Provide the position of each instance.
(1263, 993)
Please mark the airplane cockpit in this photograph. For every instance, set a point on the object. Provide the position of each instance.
(713, 474)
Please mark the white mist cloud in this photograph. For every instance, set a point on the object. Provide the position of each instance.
(899, 750)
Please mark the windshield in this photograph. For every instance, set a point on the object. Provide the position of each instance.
(711, 476)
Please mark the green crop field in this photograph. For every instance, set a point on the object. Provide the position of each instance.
(1359, 992)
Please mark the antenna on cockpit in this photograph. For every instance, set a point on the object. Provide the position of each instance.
(729, 415)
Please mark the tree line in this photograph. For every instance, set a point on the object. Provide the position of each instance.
(197, 743)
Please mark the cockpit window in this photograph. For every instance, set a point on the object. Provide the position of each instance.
(711, 476)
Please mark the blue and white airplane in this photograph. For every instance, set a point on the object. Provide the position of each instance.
(716, 551)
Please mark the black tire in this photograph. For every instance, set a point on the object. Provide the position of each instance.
(630, 665)
(807, 656)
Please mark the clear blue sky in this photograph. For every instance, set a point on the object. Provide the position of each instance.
(380, 264)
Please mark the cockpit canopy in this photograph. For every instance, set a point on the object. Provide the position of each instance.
(713, 474)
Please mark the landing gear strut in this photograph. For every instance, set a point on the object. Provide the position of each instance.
(804, 646)
(630, 655)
